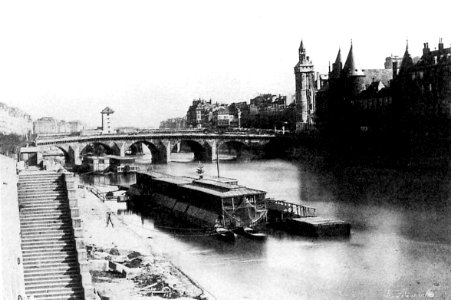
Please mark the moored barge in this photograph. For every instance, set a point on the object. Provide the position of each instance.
(217, 203)
(228, 208)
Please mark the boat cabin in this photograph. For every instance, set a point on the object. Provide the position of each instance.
(121, 164)
(97, 163)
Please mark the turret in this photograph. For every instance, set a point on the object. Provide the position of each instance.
(353, 76)
(350, 67)
(407, 61)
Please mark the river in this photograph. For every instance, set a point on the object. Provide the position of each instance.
(400, 243)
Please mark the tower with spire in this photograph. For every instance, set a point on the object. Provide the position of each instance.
(353, 76)
(406, 62)
(337, 66)
(305, 89)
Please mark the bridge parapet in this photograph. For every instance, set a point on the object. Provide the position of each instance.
(178, 135)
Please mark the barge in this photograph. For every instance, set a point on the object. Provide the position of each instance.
(215, 203)
(221, 204)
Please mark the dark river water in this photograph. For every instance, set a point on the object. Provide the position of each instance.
(400, 243)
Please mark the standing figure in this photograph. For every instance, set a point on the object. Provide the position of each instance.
(108, 219)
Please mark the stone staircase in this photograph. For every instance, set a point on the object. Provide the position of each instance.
(50, 262)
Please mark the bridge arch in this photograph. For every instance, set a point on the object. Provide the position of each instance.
(201, 149)
(157, 149)
(98, 149)
(234, 148)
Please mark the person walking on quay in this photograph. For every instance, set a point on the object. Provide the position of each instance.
(108, 219)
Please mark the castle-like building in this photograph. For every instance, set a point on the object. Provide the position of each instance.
(406, 106)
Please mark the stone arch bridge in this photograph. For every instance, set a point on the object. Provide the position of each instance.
(204, 145)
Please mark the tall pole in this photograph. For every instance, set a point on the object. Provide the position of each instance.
(217, 157)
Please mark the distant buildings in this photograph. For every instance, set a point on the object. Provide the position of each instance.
(14, 121)
(173, 123)
(263, 111)
(49, 125)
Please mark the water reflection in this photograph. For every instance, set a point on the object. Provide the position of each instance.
(400, 234)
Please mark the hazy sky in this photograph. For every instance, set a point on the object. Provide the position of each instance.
(149, 59)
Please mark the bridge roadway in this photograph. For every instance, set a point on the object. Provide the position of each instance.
(160, 143)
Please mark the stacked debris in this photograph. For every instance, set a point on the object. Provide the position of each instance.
(147, 275)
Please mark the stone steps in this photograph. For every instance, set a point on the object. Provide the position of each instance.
(36, 231)
(57, 256)
(43, 223)
(52, 286)
(45, 217)
(62, 237)
(50, 265)
(27, 229)
(45, 245)
(50, 259)
(30, 213)
(34, 277)
(41, 204)
(37, 253)
(43, 271)
(41, 195)
(33, 214)
(61, 294)
(46, 280)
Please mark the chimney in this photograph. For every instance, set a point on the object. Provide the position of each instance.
(440, 45)
(426, 48)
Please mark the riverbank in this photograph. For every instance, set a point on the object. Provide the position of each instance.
(123, 263)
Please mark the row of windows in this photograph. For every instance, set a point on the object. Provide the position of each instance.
(375, 102)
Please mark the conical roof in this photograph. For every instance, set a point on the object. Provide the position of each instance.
(338, 59)
(336, 66)
(350, 68)
(301, 47)
(407, 61)
(107, 110)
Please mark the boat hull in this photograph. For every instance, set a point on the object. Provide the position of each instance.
(252, 233)
(225, 235)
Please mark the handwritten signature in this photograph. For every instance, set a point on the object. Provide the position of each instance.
(405, 294)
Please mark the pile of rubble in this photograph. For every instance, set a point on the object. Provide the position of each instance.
(142, 275)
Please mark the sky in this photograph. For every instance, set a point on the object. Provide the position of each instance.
(148, 60)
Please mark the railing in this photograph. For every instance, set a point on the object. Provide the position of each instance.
(96, 192)
(295, 210)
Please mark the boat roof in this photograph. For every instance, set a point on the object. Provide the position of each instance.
(237, 192)
(222, 179)
(121, 158)
(208, 186)
(215, 184)
(175, 180)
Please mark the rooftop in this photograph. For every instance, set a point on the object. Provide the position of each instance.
(107, 110)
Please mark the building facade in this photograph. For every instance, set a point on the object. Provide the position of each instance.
(14, 121)
(173, 123)
(49, 125)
